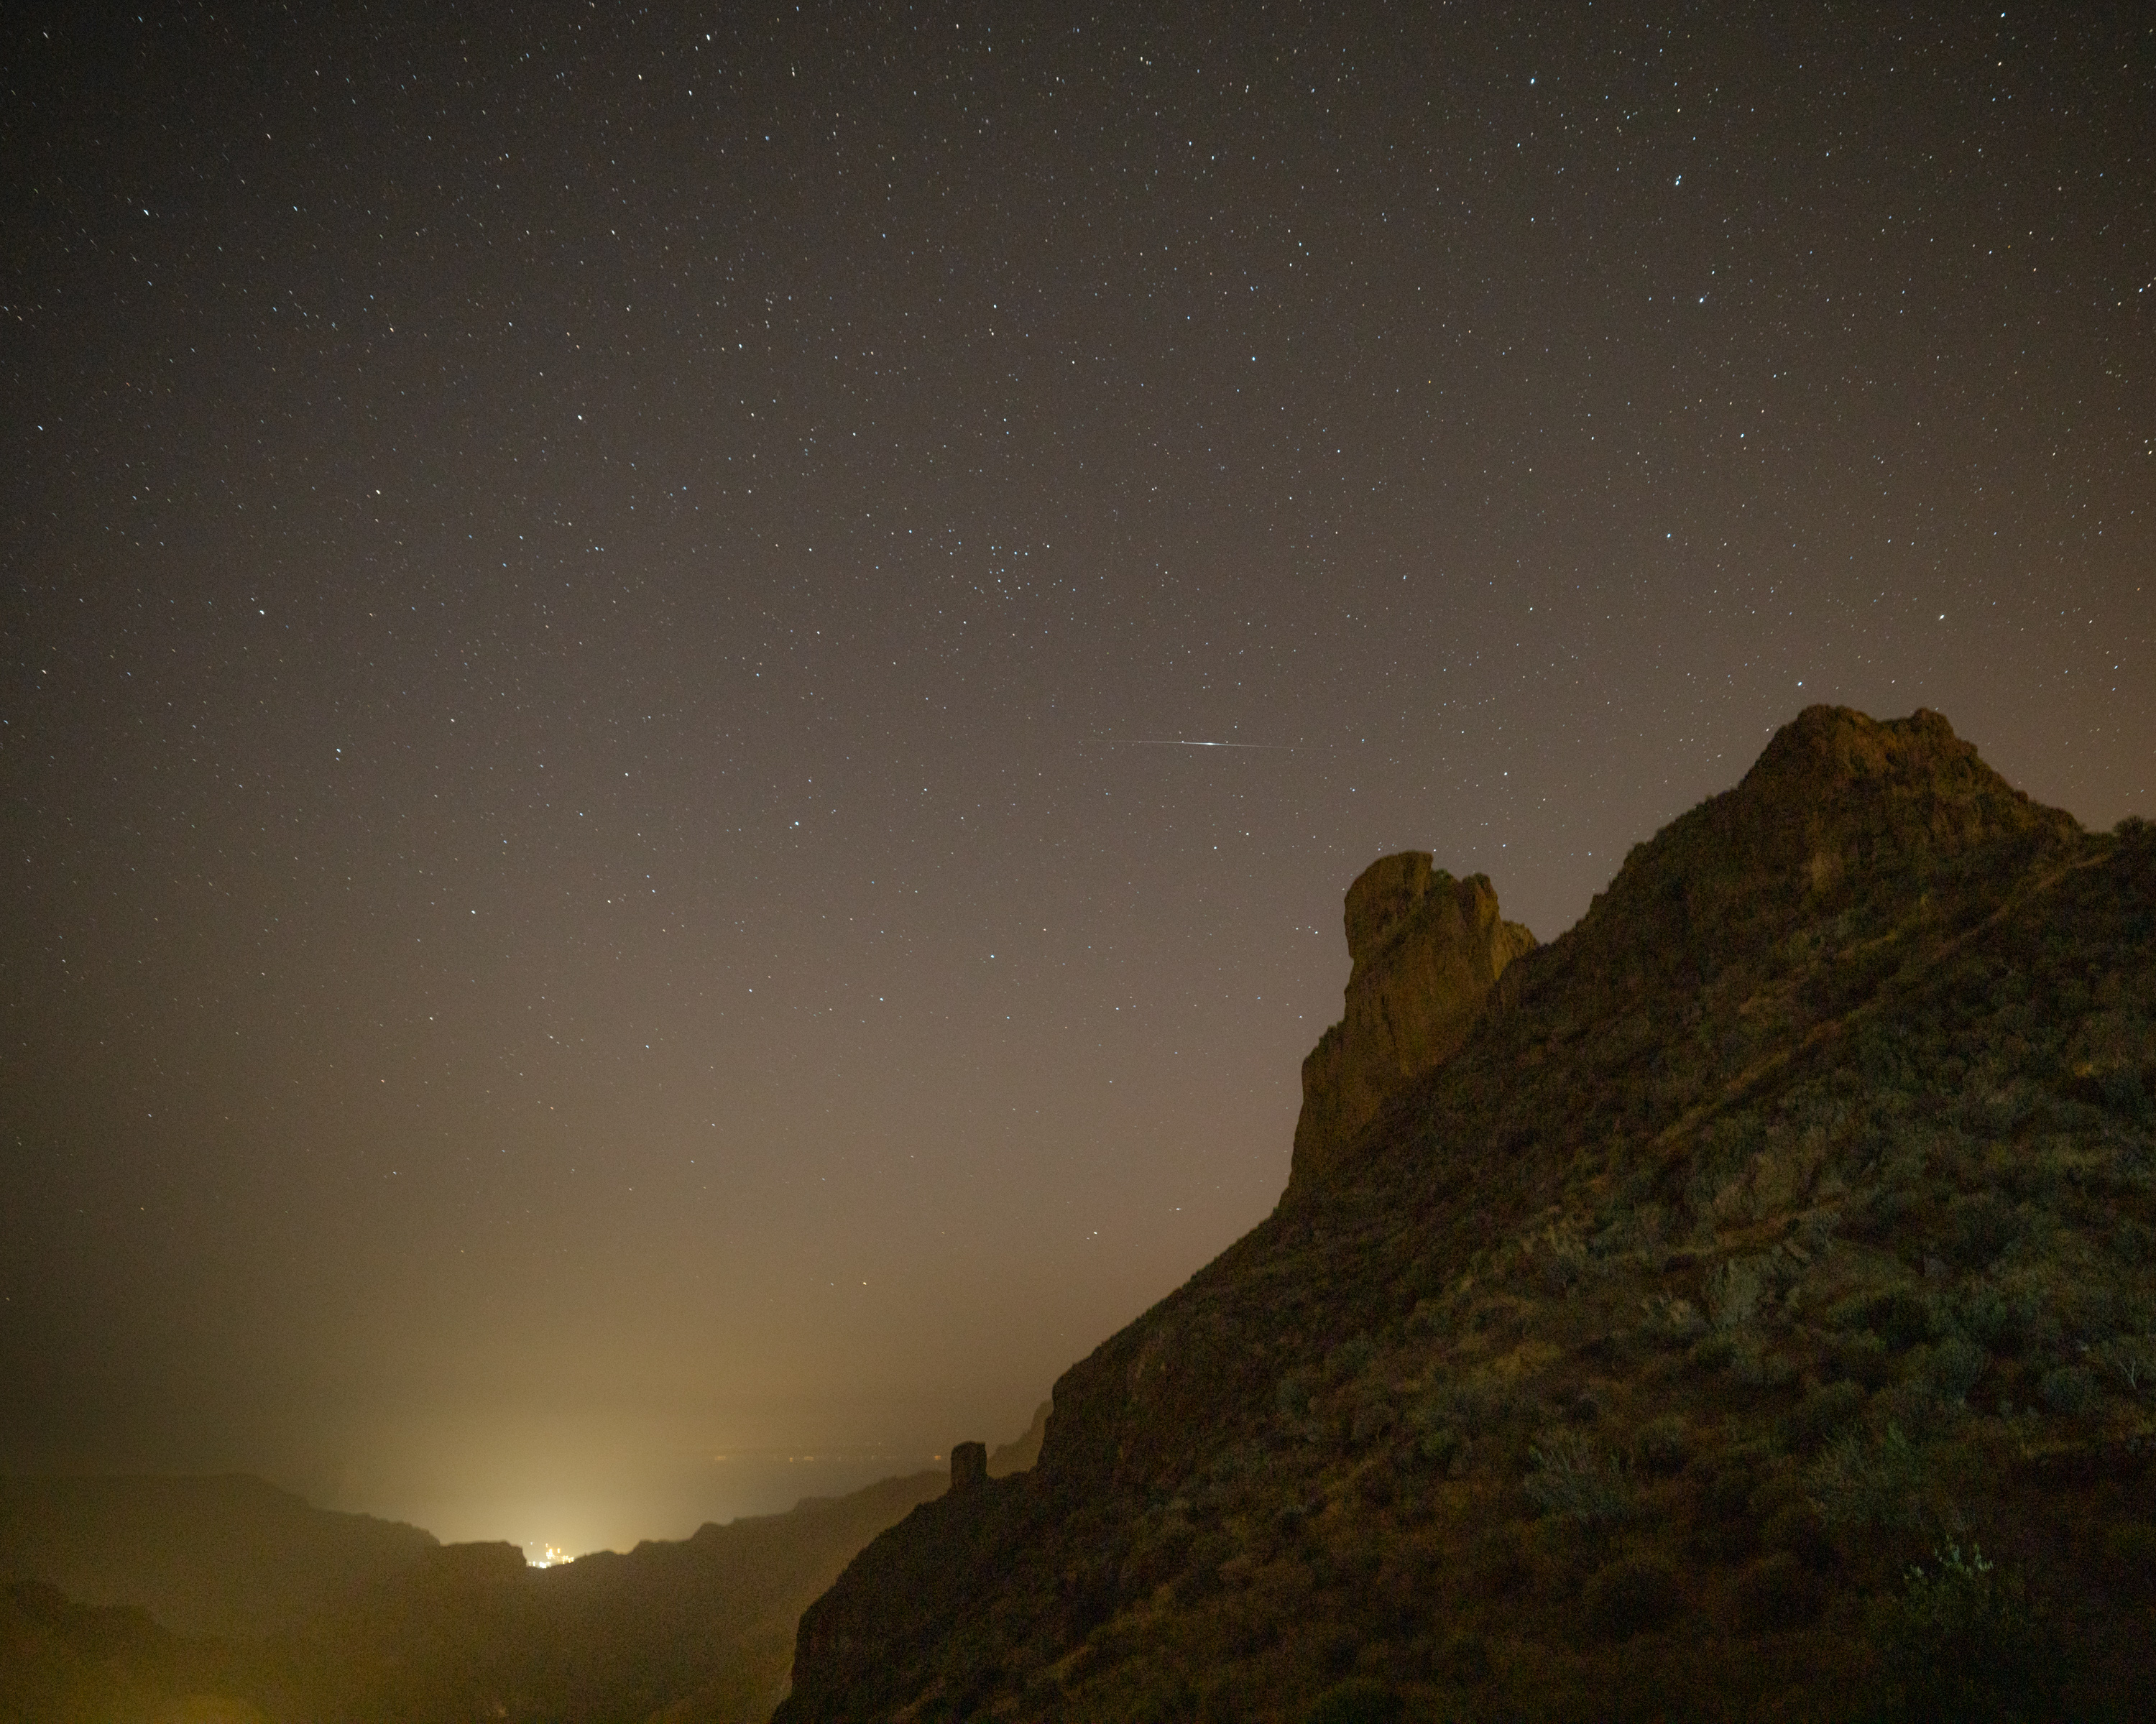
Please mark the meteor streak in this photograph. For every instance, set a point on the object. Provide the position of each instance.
(1185, 742)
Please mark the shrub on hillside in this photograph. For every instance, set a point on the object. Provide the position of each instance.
(1336, 1646)
(1778, 1593)
(2132, 1361)
(1822, 1413)
(2131, 1545)
(1360, 1700)
(2071, 1390)
(1962, 1642)
(1868, 1482)
(1632, 1597)
(1573, 1480)
(1660, 1447)
(1463, 1658)
(1980, 1227)
(1897, 1314)
(1866, 1359)
(1953, 1368)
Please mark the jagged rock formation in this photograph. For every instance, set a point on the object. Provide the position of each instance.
(1787, 1224)
(1426, 949)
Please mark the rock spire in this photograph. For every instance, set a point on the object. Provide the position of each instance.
(1426, 950)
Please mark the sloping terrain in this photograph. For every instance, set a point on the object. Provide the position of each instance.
(227, 1555)
(1755, 1318)
(65, 1663)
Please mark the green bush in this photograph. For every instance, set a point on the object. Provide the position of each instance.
(1866, 1358)
(1822, 1413)
(2124, 1093)
(2131, 1359)
(1633, 1597)
(1898, 1315)
(1217, 1705)
(1982, 1226)
(1463, 1658)
(1988, 1319)
(1498, 1563)
(2069, 1389)
(1574, 1479)
(1351, 1358)
(1955, 1364)
(1799, 1529)
(1962, 1642)
(1751, 1367)
(1778, 1593)
(1292, 1396)
(1660, 1446)
(1336, 1648)
(2131, 1545)
(1360, 1700)
(2133, 1244)
(1864, 1483)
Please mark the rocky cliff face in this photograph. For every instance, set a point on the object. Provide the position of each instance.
(1786, 1226)
(1425, 950)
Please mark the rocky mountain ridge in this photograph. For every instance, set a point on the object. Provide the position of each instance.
(1753, 1315)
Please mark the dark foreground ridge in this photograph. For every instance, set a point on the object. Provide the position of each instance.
(1753, 1314)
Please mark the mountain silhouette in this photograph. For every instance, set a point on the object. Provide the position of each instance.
(226, 1554)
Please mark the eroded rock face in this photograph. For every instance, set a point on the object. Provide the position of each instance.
(1426, 949)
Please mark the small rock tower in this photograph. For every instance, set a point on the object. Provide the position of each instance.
(969, 1467)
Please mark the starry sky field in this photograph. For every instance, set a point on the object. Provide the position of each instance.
(604, 608)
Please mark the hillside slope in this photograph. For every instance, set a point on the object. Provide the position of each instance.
(1755, 1316)
(226, 1555)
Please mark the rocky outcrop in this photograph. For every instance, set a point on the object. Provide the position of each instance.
(1426, 950)
(1724, 1212)
(1839, 806)
(969, 1467)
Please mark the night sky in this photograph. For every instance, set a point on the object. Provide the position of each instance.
(604, 611)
